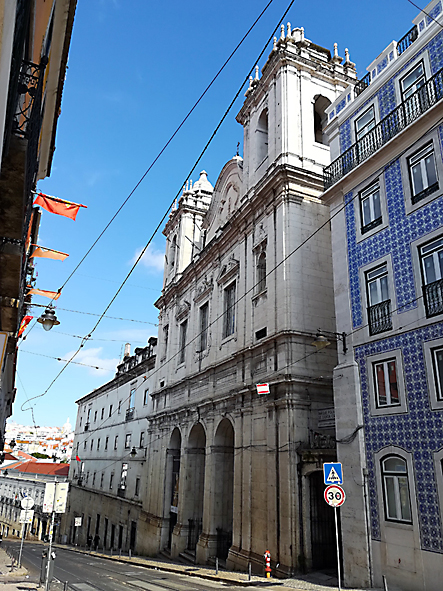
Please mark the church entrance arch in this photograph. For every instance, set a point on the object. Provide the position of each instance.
(172, 482)
(223, 486)
(323, 543)
(194, 492)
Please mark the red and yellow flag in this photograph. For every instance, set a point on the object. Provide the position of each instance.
(48, 253)
(54, 295)
(24, 323)
(58, 206)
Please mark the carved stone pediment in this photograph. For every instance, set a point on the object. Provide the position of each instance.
(182, 311)
(229, 270)
(260, 237)
(204, 289)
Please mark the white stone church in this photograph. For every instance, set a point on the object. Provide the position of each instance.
(231, 473)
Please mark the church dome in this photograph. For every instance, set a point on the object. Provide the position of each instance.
(203, 184)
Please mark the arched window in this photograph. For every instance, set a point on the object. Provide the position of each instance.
(262, 137)
(395, 480)
(261, 272)
(320, 120)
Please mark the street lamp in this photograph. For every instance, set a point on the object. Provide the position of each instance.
(48, 319)
(321, 340)
(133, 452)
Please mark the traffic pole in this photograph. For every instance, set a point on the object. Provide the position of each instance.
(338, 549)
(51, 529)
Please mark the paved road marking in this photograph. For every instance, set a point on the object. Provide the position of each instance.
(83, 586)
(159, 587)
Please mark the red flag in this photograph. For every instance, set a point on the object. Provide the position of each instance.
(24, 323)
(78, 459)
(54, 295)
(48, 253)
(58, 206)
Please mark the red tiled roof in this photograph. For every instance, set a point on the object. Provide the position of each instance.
(48, 468)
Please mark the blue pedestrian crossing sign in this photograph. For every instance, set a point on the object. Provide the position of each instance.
(333, 473)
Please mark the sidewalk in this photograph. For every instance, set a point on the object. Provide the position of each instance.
(12, 579)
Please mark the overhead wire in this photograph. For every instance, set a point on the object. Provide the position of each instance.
(339, 210)
(214, 133)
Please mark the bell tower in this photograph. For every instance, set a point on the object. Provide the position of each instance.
(183, 229)
(284, 112)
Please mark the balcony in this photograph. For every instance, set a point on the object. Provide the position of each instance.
(121, 492)
(402, 45)
(129, 414)
(86, 426)
(406, 113)
(379, 317)
(433, 296)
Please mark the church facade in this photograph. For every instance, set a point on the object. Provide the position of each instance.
(232, 473)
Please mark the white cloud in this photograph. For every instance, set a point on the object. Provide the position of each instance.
(152, 259)
(91, 357)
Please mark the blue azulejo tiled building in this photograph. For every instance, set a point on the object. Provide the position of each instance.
(385, 188)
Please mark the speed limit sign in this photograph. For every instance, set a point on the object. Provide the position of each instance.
(335, 495)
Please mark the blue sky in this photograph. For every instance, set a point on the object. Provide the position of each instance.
(135, 69)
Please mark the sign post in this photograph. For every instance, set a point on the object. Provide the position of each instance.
(55, 499)
(26, 516)
(335, 496)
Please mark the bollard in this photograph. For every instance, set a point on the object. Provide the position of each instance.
(119, 552)
(267, 557)
(111, 550)
(216, 565)
(385, 584)
(129, 553)
(249, 571)
(65, 586)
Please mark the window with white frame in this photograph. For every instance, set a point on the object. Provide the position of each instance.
(98, 444)
(111, 480)
(127, 440)
(101, 480)
(132, 397)
(431, 256)
(370, 208)
(110, 409)
(123, 476)
(386, 383)
(397, 501)
(146, 396)
(142, 439)
(379, 309)
(182, 341)
(437, 366)
(204, 322)
(414, 80)
(423, 173)
(365, 123)
(116, 442)
(106, 443)
(229, 310)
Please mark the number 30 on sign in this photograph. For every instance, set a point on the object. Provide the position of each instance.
(335, 495)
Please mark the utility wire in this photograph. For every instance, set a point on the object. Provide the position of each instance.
(214, 133)
(339, 210)
(168, 142)
(426, 13)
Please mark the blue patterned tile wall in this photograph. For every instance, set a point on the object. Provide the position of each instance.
(402, 430)
(395, 240)
(386, 95)
(433, 13)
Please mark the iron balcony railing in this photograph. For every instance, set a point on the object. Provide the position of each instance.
(406, 113)
(362, 84)
(402, 45)
(407, 40)
(130, 414)
(87, 426)
(379, 316)
(433, 296)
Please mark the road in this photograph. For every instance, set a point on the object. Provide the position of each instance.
(89, 573)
